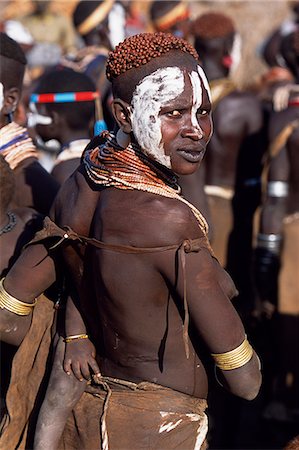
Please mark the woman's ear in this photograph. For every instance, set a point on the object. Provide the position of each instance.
(121, 112)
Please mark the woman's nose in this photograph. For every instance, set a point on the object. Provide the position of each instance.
(192, 130)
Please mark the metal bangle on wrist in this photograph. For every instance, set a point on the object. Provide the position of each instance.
(14, 305)
(75, 337)
(271, 242)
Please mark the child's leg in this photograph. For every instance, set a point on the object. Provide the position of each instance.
(62, 394)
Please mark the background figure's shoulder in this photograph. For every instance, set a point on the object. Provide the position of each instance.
(242, 107)
(243, 98)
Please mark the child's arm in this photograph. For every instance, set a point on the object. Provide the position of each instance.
(80, 352)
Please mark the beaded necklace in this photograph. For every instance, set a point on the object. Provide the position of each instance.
(16, 145)
(112, 166)
(12, 220)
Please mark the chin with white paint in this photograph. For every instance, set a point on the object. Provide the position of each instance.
(150, 95)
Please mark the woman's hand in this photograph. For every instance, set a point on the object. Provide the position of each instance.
(79, 358)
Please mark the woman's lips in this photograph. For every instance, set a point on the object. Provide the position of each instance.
(191, 155)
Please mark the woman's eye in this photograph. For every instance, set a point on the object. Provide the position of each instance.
(174, 113)
(203, 112)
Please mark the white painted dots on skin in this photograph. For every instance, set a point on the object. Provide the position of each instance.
(154, 91)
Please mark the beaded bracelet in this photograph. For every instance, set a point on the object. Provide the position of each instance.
(75, 337)
(14, 305)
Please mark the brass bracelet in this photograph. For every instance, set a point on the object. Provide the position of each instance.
(235, 358)
(14, 305)
(75, 337)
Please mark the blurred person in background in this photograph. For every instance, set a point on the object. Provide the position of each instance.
(276, 258)
(35, 187)
(63, 108)
(171, 16)
(53, 35)
(270, 50)
(233, 166)
(136, 17)
(91, 20)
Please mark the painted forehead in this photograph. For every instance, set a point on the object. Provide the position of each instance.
(167, 83)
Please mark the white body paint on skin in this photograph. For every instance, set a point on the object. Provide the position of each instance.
(154, 91)
(197, 99)
(202, 75)
(1, 95)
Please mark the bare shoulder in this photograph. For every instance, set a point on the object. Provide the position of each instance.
(75, 203)
(147, 219)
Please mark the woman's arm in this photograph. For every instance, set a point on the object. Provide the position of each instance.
(211, 311)
(80, 353)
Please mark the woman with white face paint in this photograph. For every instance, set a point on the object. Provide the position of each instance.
(152, 299)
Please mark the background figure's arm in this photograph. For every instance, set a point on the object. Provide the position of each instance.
(269, 239)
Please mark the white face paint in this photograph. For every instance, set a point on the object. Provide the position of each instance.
(202, 75)
(151, 94)
(34, 118)
(1, 96)
(197, 98)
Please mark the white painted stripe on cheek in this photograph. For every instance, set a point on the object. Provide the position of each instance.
(150, 95)
(204, 80)
(197, 98)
